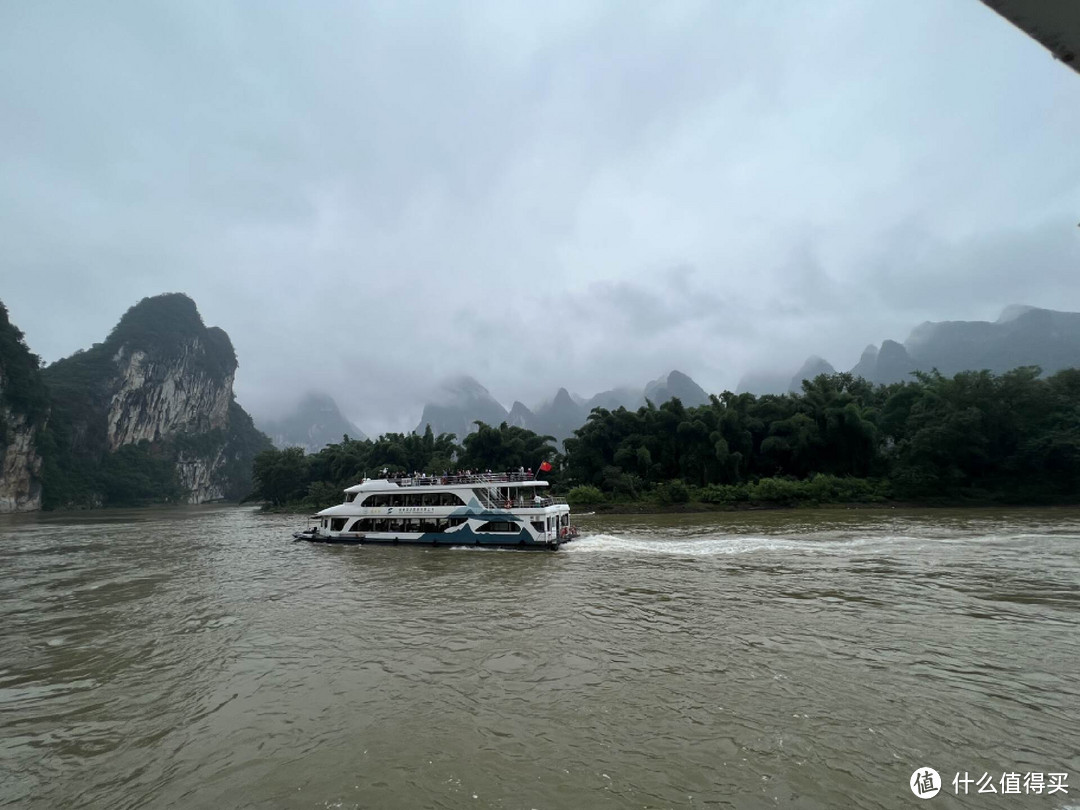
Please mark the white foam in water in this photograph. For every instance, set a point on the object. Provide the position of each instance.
(697, 547)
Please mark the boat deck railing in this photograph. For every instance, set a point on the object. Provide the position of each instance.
(533, 503)
(460, 478)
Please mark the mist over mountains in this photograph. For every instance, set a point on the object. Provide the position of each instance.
(315, 422)
(464, 401)
(1021, 336)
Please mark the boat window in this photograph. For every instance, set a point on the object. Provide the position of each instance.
(358, 525)
(450, 499)
(501, 526)
(337, 524)
(350, 497)
(396, 500)
(456, 521)
(538, 525)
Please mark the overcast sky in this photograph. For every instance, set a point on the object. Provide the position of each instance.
(369, 197)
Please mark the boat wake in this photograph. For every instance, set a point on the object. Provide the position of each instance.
(701, 546)
(693, 547)
(707, 545)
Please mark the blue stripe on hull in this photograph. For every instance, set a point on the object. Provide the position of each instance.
(463, 538)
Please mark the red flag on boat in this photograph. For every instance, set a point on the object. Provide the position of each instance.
(545, 467)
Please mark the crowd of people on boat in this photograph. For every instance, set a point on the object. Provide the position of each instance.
(458, 476)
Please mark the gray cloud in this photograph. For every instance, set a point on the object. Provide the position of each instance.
(371, 197)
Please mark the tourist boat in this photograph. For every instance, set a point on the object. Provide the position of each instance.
(497, 510)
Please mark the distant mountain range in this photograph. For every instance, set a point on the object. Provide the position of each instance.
(314, 423)
(1022, 336)
(463, 401)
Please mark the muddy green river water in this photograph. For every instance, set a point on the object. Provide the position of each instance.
(197, 658)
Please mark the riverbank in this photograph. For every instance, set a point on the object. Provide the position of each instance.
(645, 507)
(775, 493)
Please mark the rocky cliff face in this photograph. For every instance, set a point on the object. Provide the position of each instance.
(20, 463)
(158, 399)
(160, 390)
(199, 476)
(23, 413)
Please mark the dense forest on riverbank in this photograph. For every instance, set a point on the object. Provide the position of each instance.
(973, 437)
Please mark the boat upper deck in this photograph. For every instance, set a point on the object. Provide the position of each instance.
(467, 479)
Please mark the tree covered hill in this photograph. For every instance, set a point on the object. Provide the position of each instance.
(146, 416)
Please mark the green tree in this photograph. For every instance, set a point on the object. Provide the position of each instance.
(506, 447)
(281, 475)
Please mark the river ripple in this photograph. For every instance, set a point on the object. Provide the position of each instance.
(197, 658)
